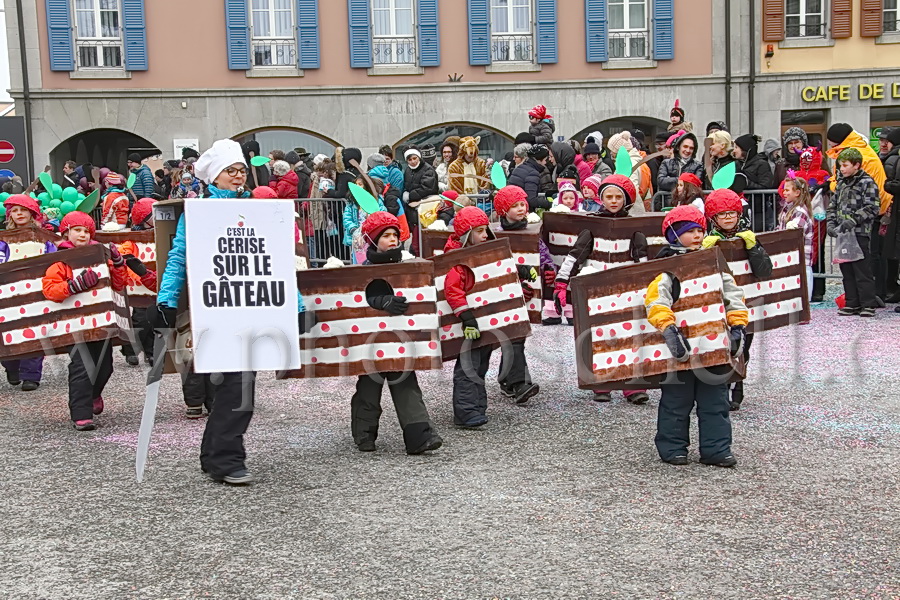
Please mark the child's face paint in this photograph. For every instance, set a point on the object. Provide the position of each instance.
(388, 240)
(20, 215)
(517, 212)
(692, 239)
(479, 235)
(613, 199)
(79, 236)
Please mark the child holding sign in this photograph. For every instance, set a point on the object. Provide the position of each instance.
(91, 363)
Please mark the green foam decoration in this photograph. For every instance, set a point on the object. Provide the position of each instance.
(56, 191)
(66, 207)
(44, 198)
(130, 183)
(4, 196)
(259, 161)
(56, 202)
(498, 177)
(2, 211)
(724, 177)
(623, 163)
(366, 201)
(90, 202)
(70, 194)
(46, 181)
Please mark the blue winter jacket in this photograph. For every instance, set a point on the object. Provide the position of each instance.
(352, 221)
(175, 275)
(144, 183)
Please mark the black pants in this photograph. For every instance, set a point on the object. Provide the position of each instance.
(144, 333)
(859, 283)
(365, 408)
(513, 365)
(737, 388)
(469, 394)
(674, 417)
(222, 450)
(198, 389)
(90, 368)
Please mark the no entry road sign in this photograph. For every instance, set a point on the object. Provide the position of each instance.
(7, 151)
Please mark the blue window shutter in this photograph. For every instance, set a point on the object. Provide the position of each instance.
(546, 32)
(663, 29)
(597, 30)
(237, 34)
(429, 34)
(360, 34)
(134, 34)
(308, 33)
(59, 34)
(479, 32)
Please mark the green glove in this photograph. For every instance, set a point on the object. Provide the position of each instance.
(470, 325)
(709, 241)
(749, 238)
(534, 274)
(471, 333)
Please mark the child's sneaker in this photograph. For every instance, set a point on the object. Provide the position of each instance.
(523, 391)
(30, 386)
(98, 405)
(241, 477)
(602, 397)
(194, 412)
(132, 360)
(507, 390)
(679, 460)
(366, 446)
(865, 312)
(639, 398)
(85, 425)
(13, 378)
(848, 311)
(726, 461)
(552, 321)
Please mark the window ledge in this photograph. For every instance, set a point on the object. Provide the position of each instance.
(396, 70)
(630, 63)
(512, 67)
(274, 72)
(810, 42)
(100, 74)
(890, 37)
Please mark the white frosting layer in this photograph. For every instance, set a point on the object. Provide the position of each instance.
(779, 261)
(775, 309)
(386, 323)
(635, 298)
(630, 328)
(773, 286)
(357, 299)
(656, 352)
(377, 351)
(509, 317)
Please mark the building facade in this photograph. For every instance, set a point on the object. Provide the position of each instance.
(109, 76)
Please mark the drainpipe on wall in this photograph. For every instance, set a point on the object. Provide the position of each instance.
(751, 92)
(26, 95)
(728, 64)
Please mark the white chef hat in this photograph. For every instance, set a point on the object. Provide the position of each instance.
(219, 157)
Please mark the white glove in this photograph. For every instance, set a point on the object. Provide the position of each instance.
(406, 196)
(795, 224)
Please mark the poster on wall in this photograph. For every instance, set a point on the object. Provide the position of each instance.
(242, 285)
(181, 144)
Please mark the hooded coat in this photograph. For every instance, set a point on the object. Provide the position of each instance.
(391, 194)
(871, 164)
(256, 176)
(533, 177)
(891, 163)
(757, 171)
(456, 172)
(672, 168)
(563, 156)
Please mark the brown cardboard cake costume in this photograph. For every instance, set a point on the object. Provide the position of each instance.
(496, 299)
(612, 237)
(352, 338)
(782, 298)
(144, 243)
(615, 343)
(32, 325)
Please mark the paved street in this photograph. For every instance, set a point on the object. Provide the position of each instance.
(561, 498)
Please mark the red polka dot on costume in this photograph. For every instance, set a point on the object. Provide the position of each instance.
(696, 350)
(447, 327)
(570, 240)
(338, 304)
(432, 345)
(318, 301)
(621, 358)
(595, 366)
(512, 295)
(27, 286)
(705, 285)
(8, 338)
(609, 360)
(788, 258)
(506, 319)
(382, 325)
(357, 298)
(314, 359)
(82, 320)
(345, 352)
(28, 334)
(612, 332)
(401, 350)
(721, 308)
(355, 328)
(22, 311)
(627, 326)
(686, 290)
(108, 317)
(43, 330)
(67, 328)
(94, 321)
(515, 317)
(599, 332)
(643, 327)
(477, 298)
(380, 354)
(499, 263)
(400, 293)
(712, 337)
(411, 323)
(494, 321)
(521, 260)
(420, 297)
(12, 288)
(443, 337)
(94, 293)
(705, 309)
(683, 323)
(486, 276)
(326, 327)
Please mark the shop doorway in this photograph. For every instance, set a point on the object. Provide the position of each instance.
(879, 118)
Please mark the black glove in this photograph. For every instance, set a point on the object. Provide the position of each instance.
(525, 273)
(85, 281)
(639, 247)
(135, 264)
(677, 343)
(738, 336)
(391, 304)
(162, 318)
(831, 231)
(847, 225)
(306, 320)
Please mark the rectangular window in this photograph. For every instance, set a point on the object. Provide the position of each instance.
(804, 18)
(393, 32)
(98, 34)
(891, 16)
(629, 34)
(272, 33)
(512, 31)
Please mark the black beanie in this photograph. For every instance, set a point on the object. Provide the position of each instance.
(720, 125)
(838, 132)
(591, 148)
(524, 138)
(187, 153)
(134, 157)
(894, 136)
(746, 141)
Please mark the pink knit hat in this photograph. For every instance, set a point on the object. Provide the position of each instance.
(593, 182)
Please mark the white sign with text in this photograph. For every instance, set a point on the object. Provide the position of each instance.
(242, 284)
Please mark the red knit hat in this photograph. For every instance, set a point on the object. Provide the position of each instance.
(723, 200)
(77, 218)
(114, 180)
(593, 182)
(450, 195)
(691, 178)
(621, 182)
(681, 219)
(263, 191)
(506, 197)
(466, 220)
(24, 201)
(376, 224)
(142, 208)
(539, 112)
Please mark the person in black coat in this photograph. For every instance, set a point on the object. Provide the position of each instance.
(534, 177)
(419, 182)
(684, 160)
(891, 249)
(256, 176)
(756, 167)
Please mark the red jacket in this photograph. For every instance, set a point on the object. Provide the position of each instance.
(56, 279)
(286, 188)
(459, 281)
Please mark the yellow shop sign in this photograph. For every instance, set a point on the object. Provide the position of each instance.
(842, 93)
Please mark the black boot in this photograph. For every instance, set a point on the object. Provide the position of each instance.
(420, 437)
(737, 396)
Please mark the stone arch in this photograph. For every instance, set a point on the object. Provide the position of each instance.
(277, 137)
(494, 142)
(649, 125)
(101, 147)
